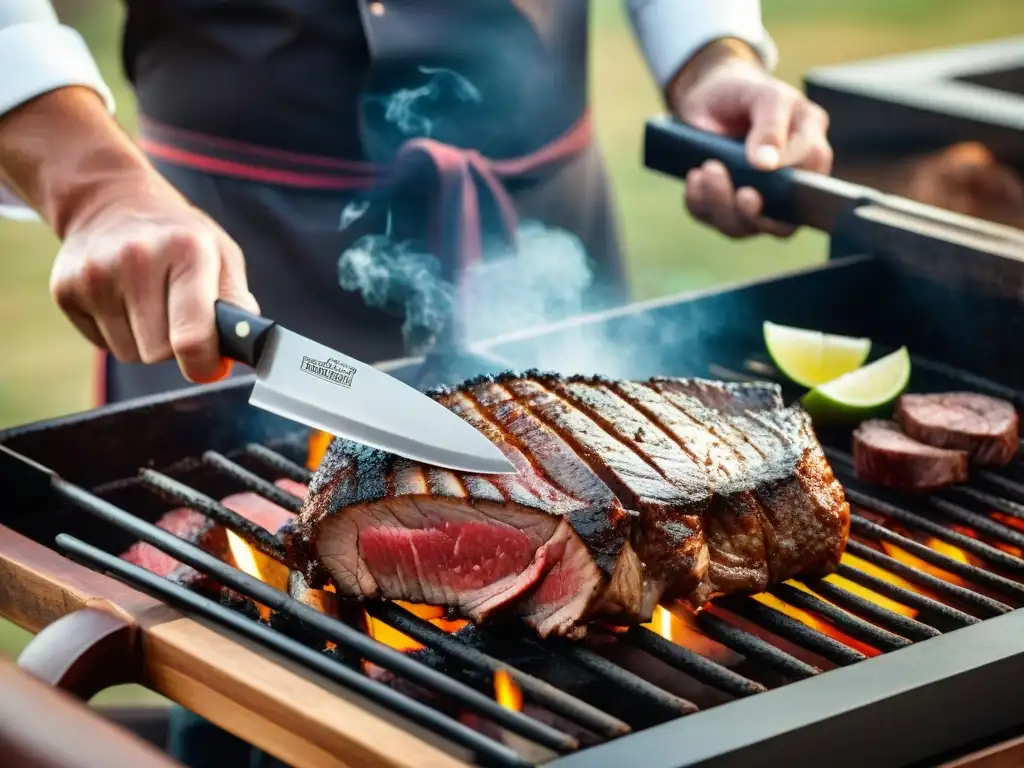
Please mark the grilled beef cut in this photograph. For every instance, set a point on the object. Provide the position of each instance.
(626, 492)
(987, 428)
(884, 455)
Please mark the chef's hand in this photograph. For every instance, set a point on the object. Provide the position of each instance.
(139, 268)
(725, 89)
(139, 275)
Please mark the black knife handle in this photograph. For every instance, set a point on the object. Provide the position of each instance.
(675, 148)
(241, 334)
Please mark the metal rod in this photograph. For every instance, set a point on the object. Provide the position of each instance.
(538, 690)
(972, 380)
(981, 603)
(282, 464)
(897, 622)
(613, 673)
(490, 751)
(1014, 489)
(976, 547)
(907, 597)
(696, 666)
(998, 503)
(753, 647)
(979, 522)
(872, 530)
(252, 481)
(330, 628)
(854, 626)
(792, 629)
(175, 491)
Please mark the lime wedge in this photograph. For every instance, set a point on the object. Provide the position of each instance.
(810, 357)
(863, 393)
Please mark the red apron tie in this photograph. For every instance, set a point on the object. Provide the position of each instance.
(459, 179)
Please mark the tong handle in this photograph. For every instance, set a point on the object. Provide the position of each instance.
(241, 334)
(675, 148)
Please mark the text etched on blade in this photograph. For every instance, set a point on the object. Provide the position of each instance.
(331, 370)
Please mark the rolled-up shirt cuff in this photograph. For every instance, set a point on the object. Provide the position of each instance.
(36, 58)
(670, 32)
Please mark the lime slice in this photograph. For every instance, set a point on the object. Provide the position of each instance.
(810, 357)
(861, 394)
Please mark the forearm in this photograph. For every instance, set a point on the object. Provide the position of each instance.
(39, 55)
(62, 152)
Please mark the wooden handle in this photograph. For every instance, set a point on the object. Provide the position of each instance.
(44, 728)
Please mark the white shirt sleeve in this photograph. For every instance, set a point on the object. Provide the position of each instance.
(670, 32)
(38, 54)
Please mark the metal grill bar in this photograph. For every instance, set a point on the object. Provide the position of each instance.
(329, 628)
(985, 551)
(979, 602)
(998, 503)
(852, 625)
(279, 463)
(902, 625)
(695, 665)
(490, 752)
(905, 596)
(791, 629)
(538, 690)
(623, 678)
(978, 522)
(175, 491)
(753, 647)
(252, 481)
(1013, 489)
(872, 530)
(972, 380)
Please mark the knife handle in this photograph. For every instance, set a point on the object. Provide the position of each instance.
(675, 148)
(241, 334)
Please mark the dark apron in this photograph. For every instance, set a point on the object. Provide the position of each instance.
(271, 116)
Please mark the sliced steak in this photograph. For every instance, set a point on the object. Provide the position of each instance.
(884, 455)
(625, 492)
(987, 428)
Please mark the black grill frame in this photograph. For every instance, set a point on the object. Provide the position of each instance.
(936, 693)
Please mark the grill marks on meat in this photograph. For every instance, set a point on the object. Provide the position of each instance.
(884, 455)
(626, 492)
(987, 428)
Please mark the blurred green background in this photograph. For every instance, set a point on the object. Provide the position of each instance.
(45, 368)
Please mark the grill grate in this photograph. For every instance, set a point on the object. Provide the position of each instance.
(771, 638)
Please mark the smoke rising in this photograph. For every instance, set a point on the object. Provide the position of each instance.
(408, 108)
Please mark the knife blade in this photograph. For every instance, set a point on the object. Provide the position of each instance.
(307, 382)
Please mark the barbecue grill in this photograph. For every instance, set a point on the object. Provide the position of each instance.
(908, 655)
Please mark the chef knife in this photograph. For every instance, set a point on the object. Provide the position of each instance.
(314, 385)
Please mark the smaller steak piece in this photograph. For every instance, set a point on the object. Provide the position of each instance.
(884, 455)
(986, 427)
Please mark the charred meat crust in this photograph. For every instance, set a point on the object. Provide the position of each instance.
(672, 487)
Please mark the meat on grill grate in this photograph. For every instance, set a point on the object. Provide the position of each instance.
(985, 427)
(626, 492)
(884, 455)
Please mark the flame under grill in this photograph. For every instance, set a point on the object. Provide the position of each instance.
(912, 572)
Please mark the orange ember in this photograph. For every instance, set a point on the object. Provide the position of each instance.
(389, 636)
(506, 692)
(915, 562)
(675, 623)
(258, 565)
(813, 621)
(1007, 520)
(317, 446)
(879, 573)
